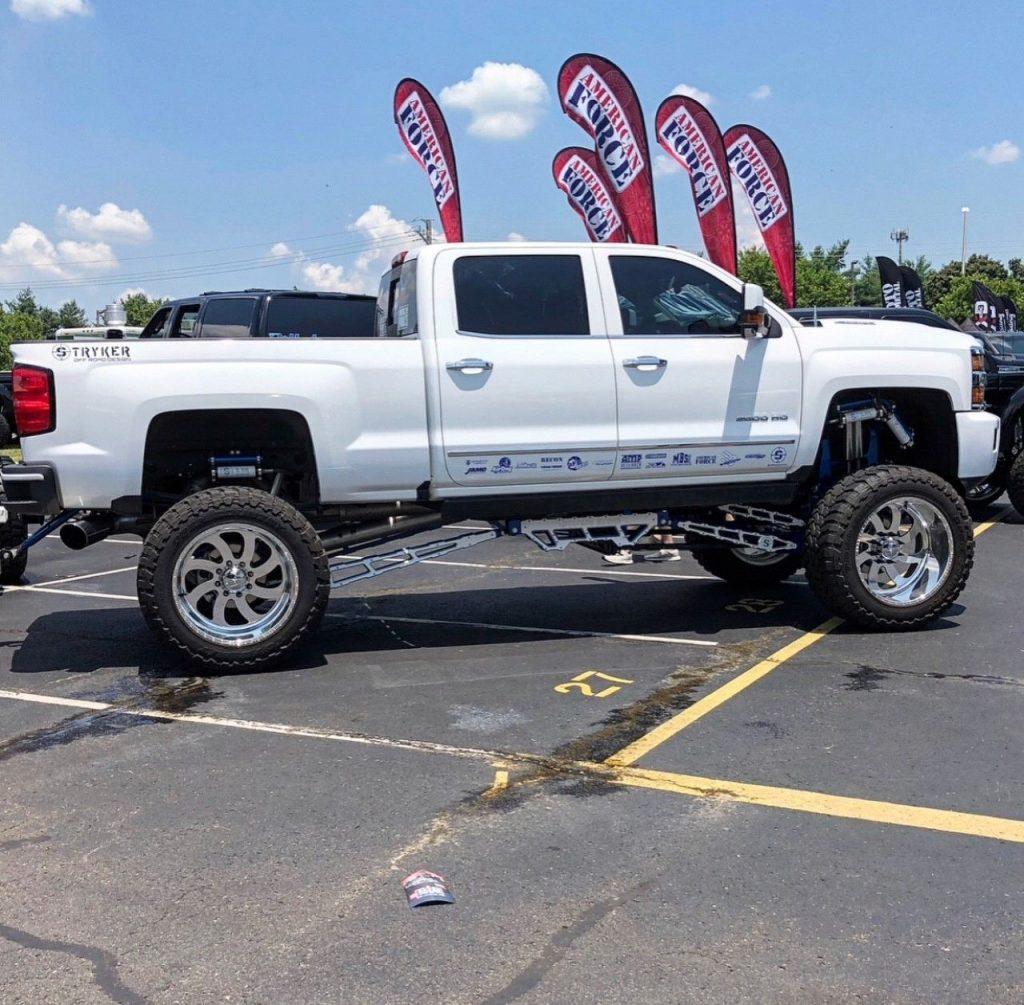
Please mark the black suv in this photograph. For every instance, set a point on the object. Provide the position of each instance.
(1004, 390)
(265, 314)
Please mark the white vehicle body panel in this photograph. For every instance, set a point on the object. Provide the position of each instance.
(386, 416)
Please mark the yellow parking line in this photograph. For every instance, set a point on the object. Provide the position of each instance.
(632, 753)
(822, 803)
(638, 748)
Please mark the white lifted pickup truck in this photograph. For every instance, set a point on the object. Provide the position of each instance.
(566, 393)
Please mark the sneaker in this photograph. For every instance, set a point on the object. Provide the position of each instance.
(665, 555)
(623, 557)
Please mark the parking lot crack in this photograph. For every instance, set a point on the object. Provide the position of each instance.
(559, 944)
(103, 963)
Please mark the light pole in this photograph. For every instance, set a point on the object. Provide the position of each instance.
(963, 246)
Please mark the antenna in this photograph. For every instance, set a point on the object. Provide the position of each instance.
(899, 236)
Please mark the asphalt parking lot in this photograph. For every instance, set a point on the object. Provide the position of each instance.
(641, 785)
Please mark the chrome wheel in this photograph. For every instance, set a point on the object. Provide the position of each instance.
(235, 584)
(904, 551)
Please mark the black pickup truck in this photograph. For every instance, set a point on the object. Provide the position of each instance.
(1004, 391)
(6, 408)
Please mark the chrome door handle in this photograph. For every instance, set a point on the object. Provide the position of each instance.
(645, 363)
(470, 366)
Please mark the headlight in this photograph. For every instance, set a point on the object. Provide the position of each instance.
(979, 378)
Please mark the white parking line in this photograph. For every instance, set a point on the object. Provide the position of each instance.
(68, 593)
(529, 629)
(308, 732)
(87, 575)
(563, 568)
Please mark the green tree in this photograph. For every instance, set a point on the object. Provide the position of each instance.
(867, 290)
(24, 303)
(71, 315)
(16, 327)
(49, 320)
(139, 308)
(958, 303)
(1016, 267)
(754, 266)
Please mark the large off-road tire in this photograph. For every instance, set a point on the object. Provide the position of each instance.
(233, 578)
(12, 534)
(889, 547)
(748, 567)
(980, 497)
(6, 433)
(1015, 483)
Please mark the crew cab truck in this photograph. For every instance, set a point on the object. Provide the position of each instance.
(565, 393)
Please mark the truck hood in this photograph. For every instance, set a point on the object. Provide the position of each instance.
(872, 333)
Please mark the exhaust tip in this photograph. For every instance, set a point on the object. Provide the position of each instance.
(74, 536)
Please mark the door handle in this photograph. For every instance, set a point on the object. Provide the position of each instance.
(471, 366)
(645, 363)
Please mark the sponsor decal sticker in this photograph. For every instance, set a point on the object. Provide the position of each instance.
(86, 353)
(779, 455)
(682, 460)
(631, 460)
(728, 458)
(704, 460)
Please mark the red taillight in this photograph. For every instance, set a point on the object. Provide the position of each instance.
(35, 405)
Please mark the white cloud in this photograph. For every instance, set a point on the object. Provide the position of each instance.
(324, 276)
(748, 234)
(49, 10)
(664, 166)
(505, 100)
(281, 250)
(1003, 152)
(761, 93)
(384, 235)
(29, 254)
(514, 235)
(111, 223)
(689, 91)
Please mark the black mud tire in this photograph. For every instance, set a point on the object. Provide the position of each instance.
(12, 533)
(179, 525)
(1015, 483)
(832, 538)
(6, 433)
(727, 564)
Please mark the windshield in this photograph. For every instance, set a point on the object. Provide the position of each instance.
(1006, 343)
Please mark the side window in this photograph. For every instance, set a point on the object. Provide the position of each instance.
(228, 318)
(157, 326)
(662, 296)
(396, 302)
(521, 295)
(291, 316)
(185, 325)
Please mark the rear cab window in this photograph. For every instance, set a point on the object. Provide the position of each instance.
(185, 321)
(395, 311)
(294, 317)
(533, 295)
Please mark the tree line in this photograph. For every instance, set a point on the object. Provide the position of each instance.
(825, 277)
(24, 319)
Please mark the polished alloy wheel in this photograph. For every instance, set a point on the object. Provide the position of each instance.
(757, 556)
(235, 584)
(904, 551)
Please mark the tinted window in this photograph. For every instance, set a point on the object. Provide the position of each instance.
(521, 295)
(229, 318)
(396, 302)
(320, 317)
(157, 325)
(185, 326)
(661, 296)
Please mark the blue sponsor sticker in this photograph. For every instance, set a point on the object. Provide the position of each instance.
(779, 455)
(682, 460)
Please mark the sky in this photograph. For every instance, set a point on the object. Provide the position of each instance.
(176, 147)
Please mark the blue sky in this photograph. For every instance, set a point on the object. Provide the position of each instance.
(219, 129)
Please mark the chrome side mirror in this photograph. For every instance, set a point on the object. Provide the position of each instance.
(754, 319)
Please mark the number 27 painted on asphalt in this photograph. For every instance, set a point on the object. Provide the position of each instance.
(579, 683)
